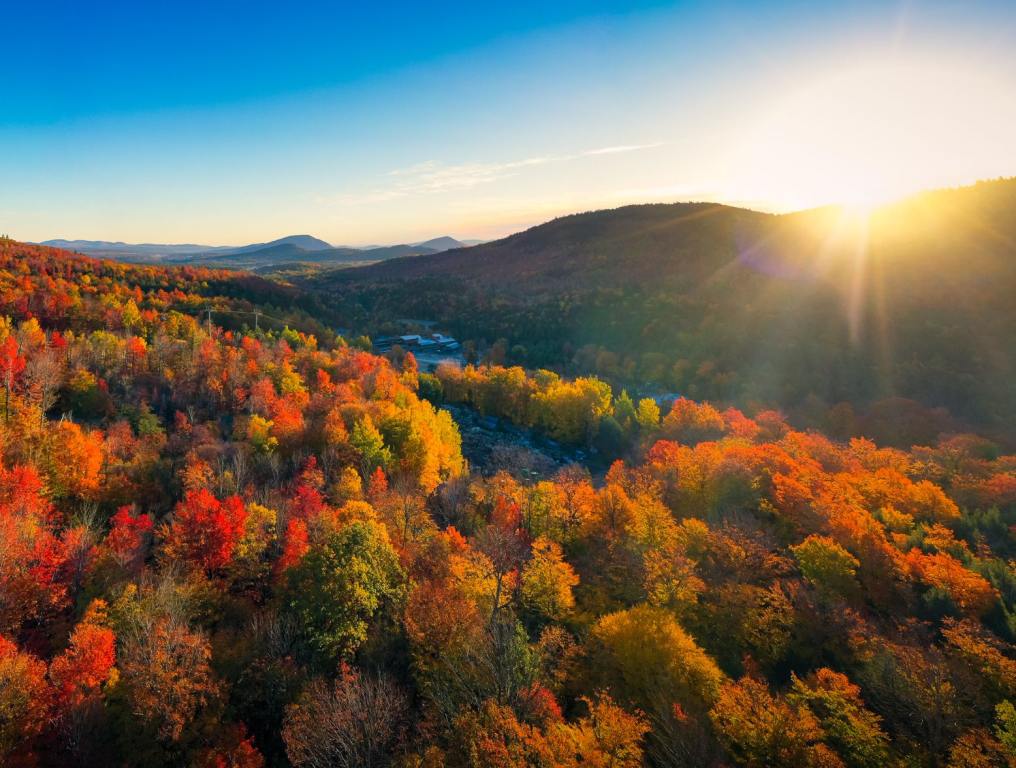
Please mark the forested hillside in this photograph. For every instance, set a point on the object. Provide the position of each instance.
(806, 311)
(222, 546)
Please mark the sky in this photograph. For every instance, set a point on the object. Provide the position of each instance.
(236, 122)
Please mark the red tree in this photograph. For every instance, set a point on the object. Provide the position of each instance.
(205, 531)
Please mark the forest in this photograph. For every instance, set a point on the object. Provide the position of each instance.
(229, 546)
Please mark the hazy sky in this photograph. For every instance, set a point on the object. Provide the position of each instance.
(238, 122)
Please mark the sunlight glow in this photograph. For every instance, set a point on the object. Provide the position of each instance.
(864, 135)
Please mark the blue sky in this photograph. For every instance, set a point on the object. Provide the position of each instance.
(237, 122)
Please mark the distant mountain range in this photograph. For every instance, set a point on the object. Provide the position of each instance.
(285, 250)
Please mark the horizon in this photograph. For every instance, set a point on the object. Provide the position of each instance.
(470, 241)
(361, 132)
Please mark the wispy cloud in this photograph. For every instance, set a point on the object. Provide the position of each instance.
(432, 176)
(620, 148)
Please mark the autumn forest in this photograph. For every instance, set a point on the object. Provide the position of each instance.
(228, 547)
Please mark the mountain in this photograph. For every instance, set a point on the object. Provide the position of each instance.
(803, 310)
(441, 243)
(105, 245)
(303, 242)
(149, 252)
(284, 250)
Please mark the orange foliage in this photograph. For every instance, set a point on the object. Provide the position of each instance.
(970, 591)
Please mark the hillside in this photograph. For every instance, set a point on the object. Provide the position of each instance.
(634, 244)
(804, 310)
(680, 243)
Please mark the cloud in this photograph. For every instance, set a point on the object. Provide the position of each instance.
(433, 176)
(620, 148)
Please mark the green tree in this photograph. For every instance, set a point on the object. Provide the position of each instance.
(341, 584)
(367, 439)
(648, 414)
(827, 565)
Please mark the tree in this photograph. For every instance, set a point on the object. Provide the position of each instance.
(127, 537)
(827, 565)
(76, 457)
(760, 730)
(24, 702)
(205, 531)
(648, 415)
(366, 439)
(850, 728)
(505, 544)
(233, 748)
(354, 721)
(547, 581)
(341, 584)
(1005, 728)
(571, 411)
(977, 748)
(690, 422)
(86, 665)
(494, 737)
(608, 737)
(11, 366)
(166, 676)
(971, 591)
(642, 656)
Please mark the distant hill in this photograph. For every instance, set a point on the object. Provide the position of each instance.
(441, 244)
(180, 252)
(145, 252)
(732, 304)
(303, 242)
(154, 248)
(285, 250)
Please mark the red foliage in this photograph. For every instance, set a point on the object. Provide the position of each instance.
(295, 544)
(79, 672)
(204, 530)
(127, 537)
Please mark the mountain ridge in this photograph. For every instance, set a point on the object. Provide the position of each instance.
(816, 306)
(287, 249)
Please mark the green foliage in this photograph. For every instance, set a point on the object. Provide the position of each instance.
(341, 585)
(431, 388)
(367, 439)
(1005, 729)
(827, 565)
